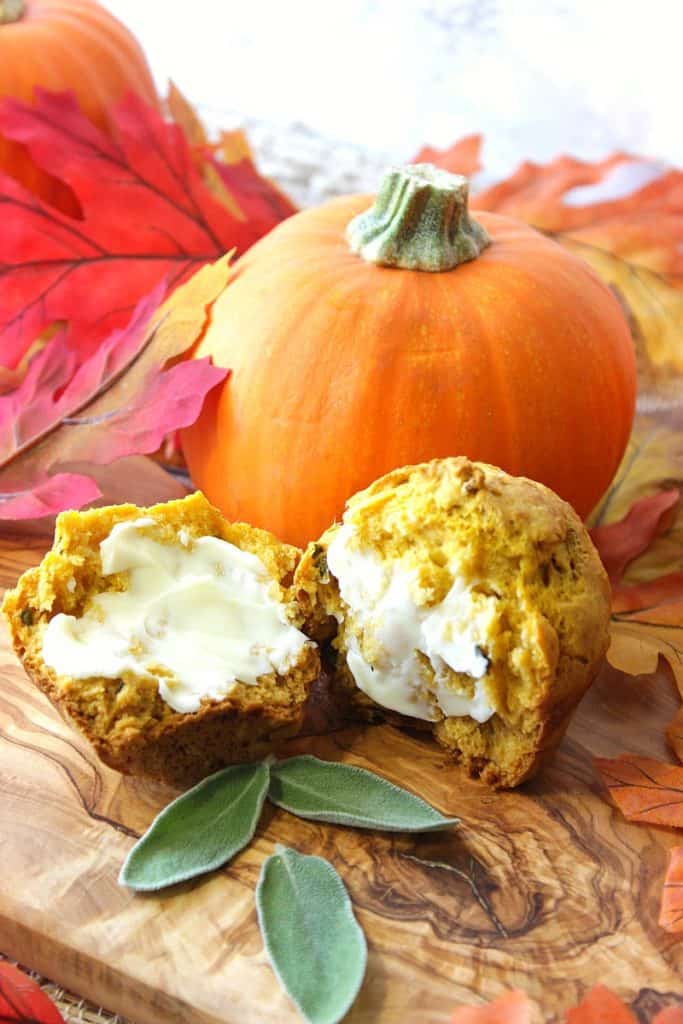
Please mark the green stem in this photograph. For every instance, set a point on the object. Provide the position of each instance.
(11, 10)
(419, 221)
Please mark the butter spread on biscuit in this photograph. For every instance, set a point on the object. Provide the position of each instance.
(197, 617)
(387, 632)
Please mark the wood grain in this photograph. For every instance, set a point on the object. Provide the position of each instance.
(547, 888)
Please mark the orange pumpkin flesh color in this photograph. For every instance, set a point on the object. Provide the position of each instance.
(343, 369)
(64, 45)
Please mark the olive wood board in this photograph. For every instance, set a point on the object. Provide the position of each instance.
(547, 889)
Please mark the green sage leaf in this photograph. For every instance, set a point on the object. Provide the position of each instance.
(345, 795)
(313, 941)
(199, 831)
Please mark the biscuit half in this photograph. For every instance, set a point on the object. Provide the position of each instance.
(202, 581)
(457, 598)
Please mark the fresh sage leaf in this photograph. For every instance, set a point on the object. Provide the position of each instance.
(345, 795)
(199, 831)
(313, 941)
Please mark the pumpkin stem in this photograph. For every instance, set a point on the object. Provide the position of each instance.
(11, 10)
(419, 221)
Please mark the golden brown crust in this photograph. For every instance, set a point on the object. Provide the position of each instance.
(131, 727)
(520, 543)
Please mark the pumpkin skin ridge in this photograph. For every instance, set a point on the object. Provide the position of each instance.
(295, 485)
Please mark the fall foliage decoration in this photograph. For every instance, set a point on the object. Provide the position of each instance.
(671, 914)
(21, 999)
(512, 1008)
(644, 789)
(120, 401)
(397, 334)
(92, 272)
(65, 44)
(598, 1006)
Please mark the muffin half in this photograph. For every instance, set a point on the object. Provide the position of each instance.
(167, 635)
(459, 598)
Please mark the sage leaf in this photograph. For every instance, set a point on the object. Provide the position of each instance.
(346, 795)
(201, 830)
(313, 941)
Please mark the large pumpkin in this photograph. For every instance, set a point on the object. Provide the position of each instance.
(411, 334)
(65, 45)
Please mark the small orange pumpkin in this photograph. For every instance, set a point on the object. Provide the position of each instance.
(61, 45)
(362, 340)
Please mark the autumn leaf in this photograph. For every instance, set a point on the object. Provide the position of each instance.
(21, 999)
(671, 912)
(148, 215)
(512, 1008)
(620, 543)
(121, 401)
(227, 165)
(638, 528)
(600, 1006)
(460, 158)
(644, 789)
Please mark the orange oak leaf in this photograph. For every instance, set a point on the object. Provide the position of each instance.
(600, 1006)
(511, 1008)
(121, 401)
(460, 158)
(21, 999)
(671, 912)
(644, 789)
(148, 215)
(624, 204)
(671, 1015)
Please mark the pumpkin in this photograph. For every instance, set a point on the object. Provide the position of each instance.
(65, 45)
(360, 340)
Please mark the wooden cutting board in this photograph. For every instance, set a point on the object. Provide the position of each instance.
(547, 889)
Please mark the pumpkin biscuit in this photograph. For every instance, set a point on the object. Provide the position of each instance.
(462, 599)
(140, 715)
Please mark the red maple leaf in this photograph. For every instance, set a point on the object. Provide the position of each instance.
(121, 400)
(148, 214)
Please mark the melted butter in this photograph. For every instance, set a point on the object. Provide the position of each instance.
(385, 619)
(198, 617)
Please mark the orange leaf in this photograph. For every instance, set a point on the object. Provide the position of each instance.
(460, 158)
(512, 1008)
(644, 789)
(619, 543)
(624, 204)
(658, 601)
(600, 1006)
(671, 913)
(671, 1015)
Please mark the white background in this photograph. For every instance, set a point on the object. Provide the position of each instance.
(384, 76)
